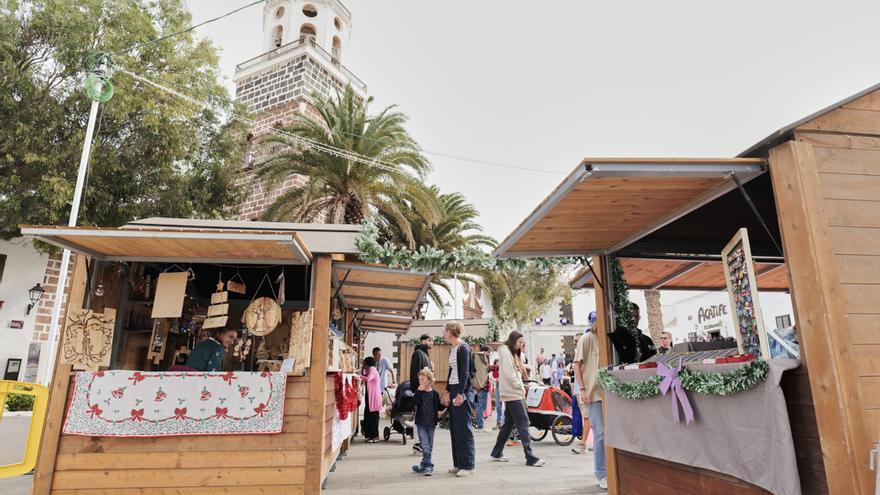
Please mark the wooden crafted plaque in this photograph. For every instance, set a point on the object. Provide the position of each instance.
(88, 338)
(301, 324)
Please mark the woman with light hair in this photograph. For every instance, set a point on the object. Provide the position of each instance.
(459, 396)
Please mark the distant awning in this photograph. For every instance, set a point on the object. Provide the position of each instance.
(648, 274)
(384, 299)
(170, 245)
(609, 203)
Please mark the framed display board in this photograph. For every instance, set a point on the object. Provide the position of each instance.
(742, 287)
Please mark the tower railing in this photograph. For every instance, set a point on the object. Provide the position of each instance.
(302, 42)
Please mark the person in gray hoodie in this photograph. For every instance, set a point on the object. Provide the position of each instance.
(513, 394)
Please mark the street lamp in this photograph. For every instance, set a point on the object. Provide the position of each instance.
(35, 294)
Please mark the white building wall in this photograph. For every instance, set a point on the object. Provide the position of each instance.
(24, 269)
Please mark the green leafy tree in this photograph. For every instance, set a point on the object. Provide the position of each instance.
(339, 189)
(519, 295)
(153, 155)
(453, 226)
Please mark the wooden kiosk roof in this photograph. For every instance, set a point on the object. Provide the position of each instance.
(655, 274)
(176, 245)
(608, 203)
(385, 299)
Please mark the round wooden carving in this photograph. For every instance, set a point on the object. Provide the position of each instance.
(262, 316)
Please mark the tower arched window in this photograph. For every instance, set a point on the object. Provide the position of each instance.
(278, 36)
(310, 11)
(337, 50)
(307, 32)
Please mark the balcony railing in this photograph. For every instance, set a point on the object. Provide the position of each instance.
(302, 42)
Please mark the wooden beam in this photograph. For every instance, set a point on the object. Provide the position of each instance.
(821, 317)
(678, 274)
(318, 372)
(604, 327)
(45, 469)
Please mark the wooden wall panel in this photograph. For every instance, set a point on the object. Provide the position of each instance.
(810, 245)
(641, 475)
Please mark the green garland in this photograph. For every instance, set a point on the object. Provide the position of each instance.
(433, 260)
(739, 380)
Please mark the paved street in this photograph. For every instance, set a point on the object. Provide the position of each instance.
(384, 468)
(13, 435)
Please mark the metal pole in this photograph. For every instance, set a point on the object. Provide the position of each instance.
(65, 257)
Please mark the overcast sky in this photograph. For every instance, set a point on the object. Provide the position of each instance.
(543, 84)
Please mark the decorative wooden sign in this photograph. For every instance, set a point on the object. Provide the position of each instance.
(215, 322)
(170, 292)
(262, 316)
(237, 287)
(301, 324)
(218, 310)
(219, 297)
(742, 287)
(88, 338)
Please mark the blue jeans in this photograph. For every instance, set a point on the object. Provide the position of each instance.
(517, 417)
(482, 400)
(499, 406)
(426, 438)
(462, 434)
(595, 413)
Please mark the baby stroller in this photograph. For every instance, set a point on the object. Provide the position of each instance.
(401, 412)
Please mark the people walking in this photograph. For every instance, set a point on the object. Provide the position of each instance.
(459, 397)
(384, 367)
(427, 404)
(496, 392)
(513, 393)
(480, 383)
(586, 365)
(372, 400)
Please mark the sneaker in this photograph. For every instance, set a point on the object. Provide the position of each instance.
(538, 463)
(428, 471)
(464, 473)
(453, 471)
(417, 468)
(603, 484)
(513, 443)
(500, 458)
(579, 448)
(417, 447)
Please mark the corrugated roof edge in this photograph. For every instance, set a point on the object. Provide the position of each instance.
(762, 147)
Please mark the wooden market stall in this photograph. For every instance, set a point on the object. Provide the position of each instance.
(810, 191)
(275, 281)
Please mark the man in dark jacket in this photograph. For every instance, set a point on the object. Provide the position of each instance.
(646, 344)
(417, 363)
(420, 359)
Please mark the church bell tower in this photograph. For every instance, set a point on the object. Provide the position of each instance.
(304, 43)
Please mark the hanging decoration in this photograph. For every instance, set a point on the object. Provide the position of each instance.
(218, 311)
(236, 284)
(262, 316)
(88, 338)
(732, 382)
(432, 260)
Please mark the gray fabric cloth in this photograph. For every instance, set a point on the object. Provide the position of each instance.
(747, 435)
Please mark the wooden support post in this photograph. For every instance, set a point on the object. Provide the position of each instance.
(318, 372)
(606, 354)
(45, 469)
(821, 318)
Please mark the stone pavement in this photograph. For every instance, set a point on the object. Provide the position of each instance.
(13, 435)
(385, 468)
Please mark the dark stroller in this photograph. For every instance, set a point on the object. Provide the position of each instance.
(401, 411)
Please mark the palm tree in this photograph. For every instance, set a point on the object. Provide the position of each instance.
(452, 227)
(341, 189)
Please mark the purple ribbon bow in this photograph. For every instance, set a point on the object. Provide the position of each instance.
(672, 380)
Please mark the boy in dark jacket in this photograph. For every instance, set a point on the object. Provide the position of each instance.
(427, 404)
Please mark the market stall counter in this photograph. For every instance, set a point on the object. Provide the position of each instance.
(199, 359)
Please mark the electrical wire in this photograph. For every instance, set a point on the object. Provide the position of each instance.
(331, 150)
(178, 33)
(427, 152)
